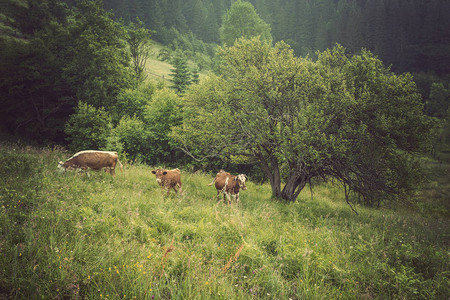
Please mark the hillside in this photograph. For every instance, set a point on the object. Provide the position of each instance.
(156, 69)
(71, 235)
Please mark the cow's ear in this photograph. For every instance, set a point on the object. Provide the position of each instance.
(164, 173)
(154, 172)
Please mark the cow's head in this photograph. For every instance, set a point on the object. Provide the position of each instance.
(61, 167)
(241, 178)
(159, 175)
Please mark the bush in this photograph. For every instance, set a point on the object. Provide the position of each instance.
(131, 102)
(88, 128)
(132, 135)
(163, 113)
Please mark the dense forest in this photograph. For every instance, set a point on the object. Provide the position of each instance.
(413, 36)
(73, 74)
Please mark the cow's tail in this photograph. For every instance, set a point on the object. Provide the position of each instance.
(120, 165)
(212, 182)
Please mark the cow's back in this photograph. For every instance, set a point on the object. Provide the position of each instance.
(223, 180)
(174, 176)
(96, 160)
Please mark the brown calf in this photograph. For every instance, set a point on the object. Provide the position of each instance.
(92, 159)
(229, 184)
(169, 179)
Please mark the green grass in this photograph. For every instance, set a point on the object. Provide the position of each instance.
(157, 70)
(69, 235)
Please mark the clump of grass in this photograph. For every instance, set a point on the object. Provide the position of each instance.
(69, 235)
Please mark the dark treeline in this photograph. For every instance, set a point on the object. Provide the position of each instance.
(411, 36)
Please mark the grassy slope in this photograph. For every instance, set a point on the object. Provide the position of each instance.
(157, 70)
(71, 235)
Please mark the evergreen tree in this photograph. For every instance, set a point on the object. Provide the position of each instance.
(181, 77)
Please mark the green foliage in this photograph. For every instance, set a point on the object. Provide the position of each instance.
(72, 236)
(145, 137)
(163, 113)
(181, 76)
(88, 128)
(344, 117)
(99, 65)
(241, 20)
(69, 55)
(36, 100)
(438, 101)
(132, 101)
(133, 136)
(385, 127)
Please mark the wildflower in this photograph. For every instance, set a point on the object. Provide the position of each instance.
(206, 283)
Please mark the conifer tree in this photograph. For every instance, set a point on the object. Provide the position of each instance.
(181, 77)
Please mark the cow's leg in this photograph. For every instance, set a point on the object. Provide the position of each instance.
(237, 199)
(217, 198)
(179, 188)
(228, 198)
(112, 171)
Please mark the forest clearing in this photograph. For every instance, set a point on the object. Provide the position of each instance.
(76, 236)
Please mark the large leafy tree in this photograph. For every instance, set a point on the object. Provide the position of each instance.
(241, 20)
(35, 98)
(99, 61)
(62, 56)
(344, 117)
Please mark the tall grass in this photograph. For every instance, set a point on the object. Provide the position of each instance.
(76, 236)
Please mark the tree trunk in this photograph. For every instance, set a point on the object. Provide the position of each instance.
(275, 182)
(272, 172)
(294, 185)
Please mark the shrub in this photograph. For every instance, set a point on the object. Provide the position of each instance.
(133, 137)
(88, 128)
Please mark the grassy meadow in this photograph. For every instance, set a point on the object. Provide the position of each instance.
(75, 236)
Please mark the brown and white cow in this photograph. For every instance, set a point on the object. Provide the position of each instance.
(169, 179)
(229, 184)
(92, 159)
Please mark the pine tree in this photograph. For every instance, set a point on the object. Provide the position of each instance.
(181, 77)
